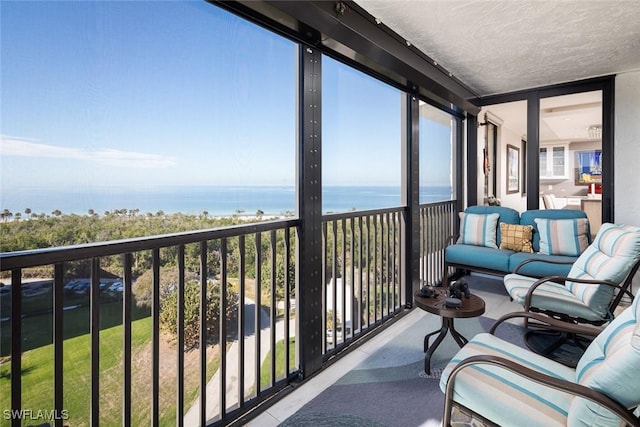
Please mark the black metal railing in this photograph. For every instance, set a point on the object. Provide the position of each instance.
(362, 273)
(194, 328)
(438, 222)
(215, 268)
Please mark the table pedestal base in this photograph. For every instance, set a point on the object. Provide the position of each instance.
(447, 326)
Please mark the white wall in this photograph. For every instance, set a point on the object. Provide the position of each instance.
(627, 149)
(627, 153)
(505, 136)
(514, 200)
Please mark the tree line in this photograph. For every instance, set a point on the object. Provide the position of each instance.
(75, 229)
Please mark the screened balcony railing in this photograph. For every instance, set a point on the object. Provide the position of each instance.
(438, 222)
(362, 272)
(88, 346)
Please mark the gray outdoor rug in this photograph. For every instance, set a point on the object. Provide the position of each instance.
(390, 388)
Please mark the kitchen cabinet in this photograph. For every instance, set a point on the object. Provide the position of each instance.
(554, 162)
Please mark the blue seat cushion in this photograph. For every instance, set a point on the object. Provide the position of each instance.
(478, 256)
(541, 269)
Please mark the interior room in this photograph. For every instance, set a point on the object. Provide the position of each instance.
(570, 152)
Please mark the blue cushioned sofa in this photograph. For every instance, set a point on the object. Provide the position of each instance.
(503, 261)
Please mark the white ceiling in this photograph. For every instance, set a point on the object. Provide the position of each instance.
(499, 46)
(565, 118)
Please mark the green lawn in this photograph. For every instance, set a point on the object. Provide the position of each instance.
(265, 369)
(37, 379)
(37, 330)
(37, 366)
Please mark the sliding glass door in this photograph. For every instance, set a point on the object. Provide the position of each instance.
(570, 153)
(565, 147)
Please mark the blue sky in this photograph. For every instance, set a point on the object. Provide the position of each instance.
(113, 93)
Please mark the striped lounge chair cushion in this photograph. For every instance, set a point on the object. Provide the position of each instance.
(611, 365)
(610, 257)
(613, 252)
(504, 397)
(550, 295)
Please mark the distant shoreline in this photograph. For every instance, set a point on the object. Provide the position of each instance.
(217, 201)
(244, 217)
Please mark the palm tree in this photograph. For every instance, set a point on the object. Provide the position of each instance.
(6, 214)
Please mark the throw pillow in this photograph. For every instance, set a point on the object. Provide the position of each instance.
(563, 236)
(516, 237)
(478, 229)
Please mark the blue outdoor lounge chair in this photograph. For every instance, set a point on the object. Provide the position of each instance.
(597, 282)
(500, 383)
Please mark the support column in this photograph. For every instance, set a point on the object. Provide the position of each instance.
(410, 230)
(458, 161)
(309, 198)
(472, 163)
(533, 151)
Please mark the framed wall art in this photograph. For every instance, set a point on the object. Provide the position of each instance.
(513, 169)
(588, 168)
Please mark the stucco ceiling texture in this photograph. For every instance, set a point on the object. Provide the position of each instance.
(499, 46)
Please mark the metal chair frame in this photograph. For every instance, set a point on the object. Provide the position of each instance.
(570, 387)
(562, 337)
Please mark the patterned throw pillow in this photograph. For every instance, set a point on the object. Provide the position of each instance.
(563, 236)
(516, 237)
(478, 229)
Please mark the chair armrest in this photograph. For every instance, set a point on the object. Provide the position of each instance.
(540, 378)
(547, 261)
(549, 322)
(527, 299)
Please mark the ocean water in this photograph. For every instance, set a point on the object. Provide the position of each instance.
(216, 200)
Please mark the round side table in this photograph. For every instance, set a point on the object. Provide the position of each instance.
(471, 307)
